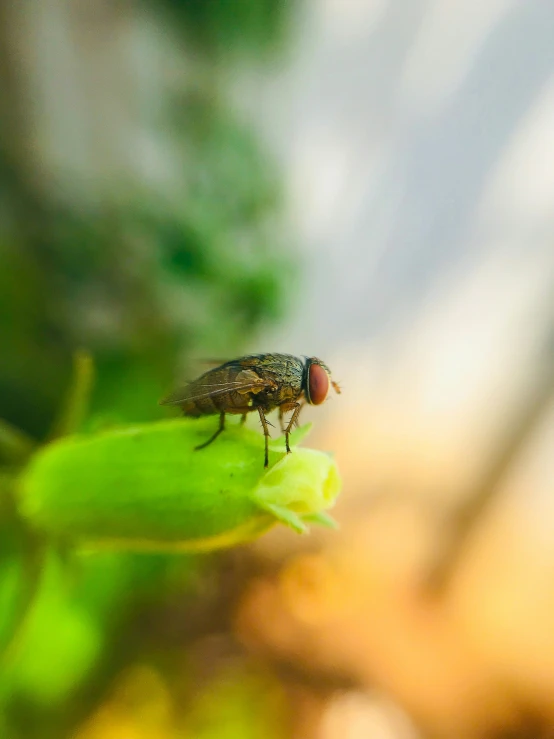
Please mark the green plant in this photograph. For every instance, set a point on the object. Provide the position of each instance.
(133, 488)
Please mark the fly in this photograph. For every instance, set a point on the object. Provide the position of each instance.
(258, 382)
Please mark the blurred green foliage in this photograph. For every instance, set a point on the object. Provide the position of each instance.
(222, 26)
(142, 281)
(146, 280)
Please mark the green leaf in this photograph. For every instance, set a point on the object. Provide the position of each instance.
(56, 645)
(146, 488)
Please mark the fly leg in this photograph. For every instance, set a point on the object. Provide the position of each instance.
(266, 435)
(293, 420)
(219, 430)
(296, 423)
(243, 419)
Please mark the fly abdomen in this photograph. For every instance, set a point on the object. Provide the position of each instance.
(200, 407)
(231, 402)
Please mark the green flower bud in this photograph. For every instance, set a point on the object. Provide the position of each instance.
(146, 488)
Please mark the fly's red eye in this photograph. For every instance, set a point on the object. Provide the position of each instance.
(318, 384)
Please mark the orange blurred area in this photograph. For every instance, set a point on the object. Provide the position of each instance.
(437, 591)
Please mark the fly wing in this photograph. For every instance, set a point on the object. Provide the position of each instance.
(246, 381)
(213, 362)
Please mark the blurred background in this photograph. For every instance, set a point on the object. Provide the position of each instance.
(368, 181)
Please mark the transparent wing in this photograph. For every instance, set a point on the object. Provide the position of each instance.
(198, 390)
